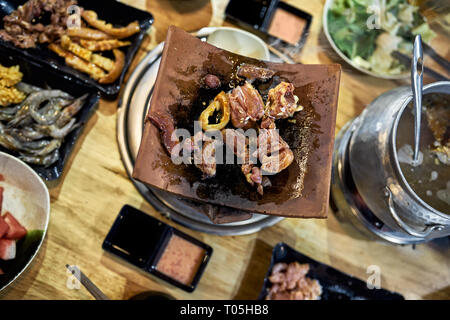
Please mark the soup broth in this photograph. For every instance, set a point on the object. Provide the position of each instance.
(430, 176)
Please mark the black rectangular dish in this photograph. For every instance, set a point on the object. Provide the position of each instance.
(336, 285)
(39, 76)
(112, 11)
(148, 243)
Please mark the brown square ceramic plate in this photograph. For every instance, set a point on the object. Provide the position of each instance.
(301, 190)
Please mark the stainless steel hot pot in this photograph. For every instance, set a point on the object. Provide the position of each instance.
(376, 170)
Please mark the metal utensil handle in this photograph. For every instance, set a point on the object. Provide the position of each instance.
(88, 284)
(417, 87)
(427, 230)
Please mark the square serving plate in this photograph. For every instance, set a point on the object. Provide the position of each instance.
(113, 12)
(301, 190)
(336, 285)
(39, 76)
(141, 239)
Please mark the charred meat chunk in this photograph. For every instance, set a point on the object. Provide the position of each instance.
(208, 162)
(251, 72)
(21, 29)
(211, 81)
(273, 152)
(165, 124)
(282, 103)
(246, 104)
(239, 143)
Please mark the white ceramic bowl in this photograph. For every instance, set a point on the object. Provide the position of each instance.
(26, 196)
(237, 41)
(326, 8)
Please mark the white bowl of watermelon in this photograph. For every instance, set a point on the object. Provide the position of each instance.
(24, 216)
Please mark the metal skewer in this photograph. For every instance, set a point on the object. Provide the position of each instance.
(417, 86)
(87, 283)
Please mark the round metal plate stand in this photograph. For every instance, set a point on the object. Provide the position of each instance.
(133, 107)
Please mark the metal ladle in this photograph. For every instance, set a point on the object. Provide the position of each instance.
(417, 87)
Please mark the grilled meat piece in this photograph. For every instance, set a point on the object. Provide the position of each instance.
(289, 282)
(240, 145)
(282, 103)
(208, 160)
(165, 124)
(273, 152)
(20, 29)
(211, 81)
(252, 72)
(246, 104)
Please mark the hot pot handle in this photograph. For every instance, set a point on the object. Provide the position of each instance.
(421, 234)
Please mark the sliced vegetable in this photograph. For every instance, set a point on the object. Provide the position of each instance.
(16, 230)
(1, 198)
(219, 104)
(4, 227)
(7, 249)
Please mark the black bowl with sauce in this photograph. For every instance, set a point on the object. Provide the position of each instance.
(157, 248)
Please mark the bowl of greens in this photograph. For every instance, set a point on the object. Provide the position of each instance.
(367, 33)
(24, 217)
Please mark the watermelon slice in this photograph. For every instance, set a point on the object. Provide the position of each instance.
(7, 249)
(1, 199)
(4, 227)
(16, 230)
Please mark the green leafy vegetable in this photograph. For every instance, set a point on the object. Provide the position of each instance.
(356, 26)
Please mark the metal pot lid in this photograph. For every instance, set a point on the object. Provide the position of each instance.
(133, 107)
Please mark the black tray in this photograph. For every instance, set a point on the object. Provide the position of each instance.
(336, 285)
(113, 12)
(34, 74)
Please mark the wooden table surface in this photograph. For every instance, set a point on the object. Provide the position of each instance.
(95, 186)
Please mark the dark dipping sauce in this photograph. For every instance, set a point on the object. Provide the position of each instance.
(181, 260)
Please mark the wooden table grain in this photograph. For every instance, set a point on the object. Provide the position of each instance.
(95, 186)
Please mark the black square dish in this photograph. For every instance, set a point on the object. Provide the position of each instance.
(336, 285)
(113, 12)
(141, 240)
(39, 76)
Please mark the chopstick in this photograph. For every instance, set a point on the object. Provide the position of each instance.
(404, 59)
(280, 54)
(88, 284)
(436, 57)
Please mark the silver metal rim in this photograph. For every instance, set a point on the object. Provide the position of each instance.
(168, 204)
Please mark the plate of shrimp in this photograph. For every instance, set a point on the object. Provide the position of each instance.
(41, 115)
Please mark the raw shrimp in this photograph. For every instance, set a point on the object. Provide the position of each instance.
(56, 132)
(43, 161)
(70, 111)
(49, 113)
(27, 88)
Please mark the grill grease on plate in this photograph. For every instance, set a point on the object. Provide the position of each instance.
(181, 259)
